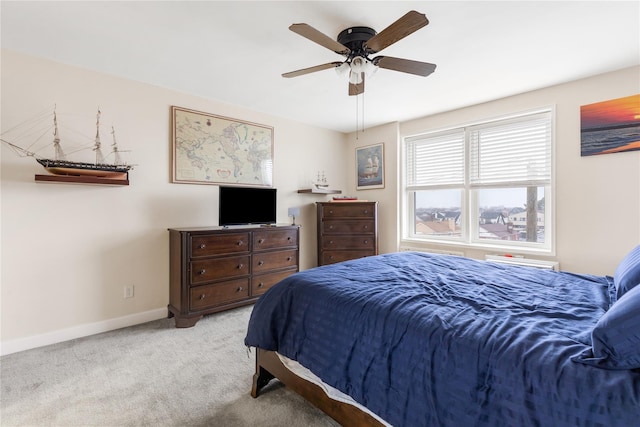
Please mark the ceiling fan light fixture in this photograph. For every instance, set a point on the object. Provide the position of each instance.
(370, 68)
(343, 69)
(358, 64)
(355, 78)
(360, 67)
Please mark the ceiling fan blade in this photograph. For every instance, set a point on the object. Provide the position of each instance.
(400, 29)
(356, 89)
(312, 69)
(404, 65)
(316, 36)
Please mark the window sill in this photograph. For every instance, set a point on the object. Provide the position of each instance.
(457, 248)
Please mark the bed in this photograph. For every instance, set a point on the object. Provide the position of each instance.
(418, 339)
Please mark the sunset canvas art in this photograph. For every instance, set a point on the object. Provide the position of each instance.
(610, 126)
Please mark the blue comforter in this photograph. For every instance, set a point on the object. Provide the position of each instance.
(434, 340)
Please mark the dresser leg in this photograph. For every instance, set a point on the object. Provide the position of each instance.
(187, 322)
(182, 321)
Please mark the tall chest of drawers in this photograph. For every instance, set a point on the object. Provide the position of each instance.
(215, 269)
(346, 230)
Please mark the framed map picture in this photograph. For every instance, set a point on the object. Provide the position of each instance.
(370, 167)
(210, 149)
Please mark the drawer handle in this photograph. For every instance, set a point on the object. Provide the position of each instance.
(260, 285)
(366, 211)
(260, 240)
(203, 296)
(240, 243)
(202, 246)
(260, 262)
(330, 256)
(289, 238)
(331, 242)
(288, 258)
(331, 227)
(366, 227)
(330, 211)
(240, 266)
(240, 289)
(202, 271)
(366, 241)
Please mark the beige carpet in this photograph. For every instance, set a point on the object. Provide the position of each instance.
(149, 375)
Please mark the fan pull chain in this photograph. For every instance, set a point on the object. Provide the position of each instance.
(357, 124)
(358, 115)
(362, 112)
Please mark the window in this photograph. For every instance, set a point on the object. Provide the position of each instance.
(487, 184)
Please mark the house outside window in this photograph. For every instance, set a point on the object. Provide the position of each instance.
(482, 185)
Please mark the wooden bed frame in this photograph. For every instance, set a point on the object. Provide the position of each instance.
(269, 366)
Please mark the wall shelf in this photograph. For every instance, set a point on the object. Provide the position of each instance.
(82, 179)
(319, 191)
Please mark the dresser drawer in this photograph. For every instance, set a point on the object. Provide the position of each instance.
(202, 297)
(263, 262)
(348, 242)
(349, 210)
(261, 283)
(273, 239)
(219, 268)
(349, 226)
(217, 244)
(331, 257)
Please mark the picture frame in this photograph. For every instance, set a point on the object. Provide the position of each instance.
(370, 167)
(610, 126)
(212, 149)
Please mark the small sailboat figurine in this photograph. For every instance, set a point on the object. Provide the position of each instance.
(59, 165)
(321, 181)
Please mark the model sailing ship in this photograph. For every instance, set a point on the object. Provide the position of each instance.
(321, 181)
(59, 165)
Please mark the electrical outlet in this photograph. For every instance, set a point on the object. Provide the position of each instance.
(128, 291)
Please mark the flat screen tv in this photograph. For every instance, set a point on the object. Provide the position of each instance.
(246, 205)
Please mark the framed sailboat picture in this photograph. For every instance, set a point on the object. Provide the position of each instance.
(370, 167)
(210, 149)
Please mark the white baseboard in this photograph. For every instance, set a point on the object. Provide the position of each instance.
(34, 341)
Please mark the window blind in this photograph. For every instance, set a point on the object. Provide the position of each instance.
(517, 151)
(434, 160)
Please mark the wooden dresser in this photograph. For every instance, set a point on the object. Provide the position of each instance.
(346, 230)
(215, 269)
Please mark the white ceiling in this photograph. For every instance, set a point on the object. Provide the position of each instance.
(235, 52)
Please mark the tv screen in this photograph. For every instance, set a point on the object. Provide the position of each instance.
(247, 205)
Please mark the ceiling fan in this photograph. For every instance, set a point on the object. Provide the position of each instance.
(357, 43)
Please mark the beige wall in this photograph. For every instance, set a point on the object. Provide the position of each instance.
(597, 198)
(387, 197)
(68, 250)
